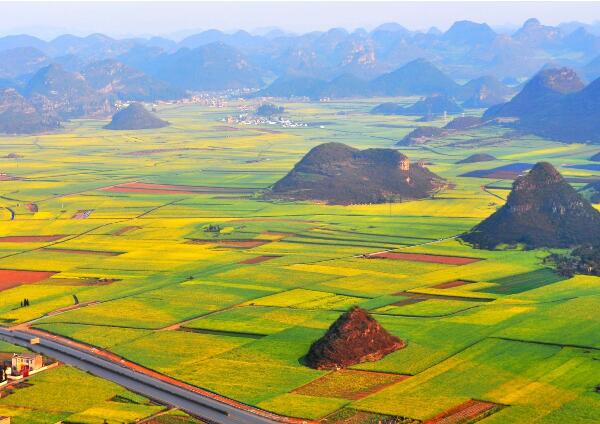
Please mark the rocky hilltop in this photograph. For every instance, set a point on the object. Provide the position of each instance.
(339, 174)
(135, 117)
(554, 104)
(355, 337)
(542, 210)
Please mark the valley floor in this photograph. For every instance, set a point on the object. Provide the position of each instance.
(117, 254)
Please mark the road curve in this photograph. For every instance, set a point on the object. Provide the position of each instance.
(210, 407)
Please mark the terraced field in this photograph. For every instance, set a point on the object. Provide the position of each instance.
(157, 246)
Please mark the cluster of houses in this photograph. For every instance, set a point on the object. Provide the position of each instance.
(21, 365)
(247, 119)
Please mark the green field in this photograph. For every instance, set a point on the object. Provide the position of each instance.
(179, 299)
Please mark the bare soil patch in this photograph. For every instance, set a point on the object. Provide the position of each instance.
(353, 416)
(465, 412)
(244, 244)
(30, 239)
(84, 252)
(77, 281)
(452, 284)
(124, 230)
(425, 296)
(71, 307)
(350, 384)
(422, 257)
(82, 214)
(10, 278)
(258, 259)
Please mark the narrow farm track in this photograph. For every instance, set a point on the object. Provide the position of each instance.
(197, 402)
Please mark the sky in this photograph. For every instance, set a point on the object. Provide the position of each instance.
(178, 19)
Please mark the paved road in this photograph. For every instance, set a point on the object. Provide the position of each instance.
(170, 394)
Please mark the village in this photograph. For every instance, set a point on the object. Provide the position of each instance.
(16, 368)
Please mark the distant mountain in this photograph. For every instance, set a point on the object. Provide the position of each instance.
(533, 33)
(477, 157)
(344, 86)
(388, 108)
(433, 105)
(92, 47)
(213, 66)
(471, 33)
(18, 41)
(55, 91)
(596, 157)
(463, 123)
(338, 174)
(542, 210)
(110, 76)
(419, 77)
(592, 69)
(18, 116)
(291, 86)
(135, 117)
(20, 61)
(484, 92)
(355, 337)
(555, 104)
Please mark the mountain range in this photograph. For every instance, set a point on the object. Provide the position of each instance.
(467, 50)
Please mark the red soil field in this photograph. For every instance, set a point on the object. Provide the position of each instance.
(243, 244)
(124, 230)
(84, 252)
(462, 413)
(30, 239)
(410, 301)
(11, 278)
(422, 257)
(258, 260)
(452, 284)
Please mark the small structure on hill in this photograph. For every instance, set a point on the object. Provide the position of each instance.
(355, 337)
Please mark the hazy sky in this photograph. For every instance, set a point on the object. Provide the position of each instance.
(48, 19)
